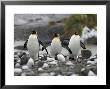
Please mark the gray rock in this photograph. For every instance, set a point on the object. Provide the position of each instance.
(17, 65)
(44, 74)
(17, 71)
(86, 53)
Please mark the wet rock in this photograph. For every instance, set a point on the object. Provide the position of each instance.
(40, 63)
(45, 66)
(67, 73)
(91, 73)
(92, 58)
(75, 75)
(91, 62)
(25, 67)
(52, 73)
(50, 59)
(23, 74)
(69, 63)
(53, 63)
(83, 69)
(17, 71)
(17, 65)
(31, 73)
(40, 70)
(61, 58)
(84, 72)
(44, 74)
(86, 53)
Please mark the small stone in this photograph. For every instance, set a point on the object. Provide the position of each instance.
(40, 69)
(59, 75)
(84, 72)
(31, 73)
(25, 67)
(17, 65)
(50, 59)
(86, 53)
(23, 74)
(61, 57)
(40, 63)
(44, 74)
(45, 66)
(17, 71)
(52, 73)
(19, 61)
(69, 63)
(83, 69)
(91, 73)
(75, 75)
(53, 63)
(91, 62)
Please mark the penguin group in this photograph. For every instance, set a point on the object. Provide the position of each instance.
(33, 46)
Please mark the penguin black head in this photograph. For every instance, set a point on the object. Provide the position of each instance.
(33, 32)
(56, 35)
(76, 33)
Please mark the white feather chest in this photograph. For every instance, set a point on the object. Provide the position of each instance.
(33, 46)
(74, 45)
(56, 46)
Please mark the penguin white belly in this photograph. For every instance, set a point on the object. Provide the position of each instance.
(33, 48)
(74, 45)
(56, 47)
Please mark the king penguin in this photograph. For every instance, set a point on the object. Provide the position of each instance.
(56, 46)
(75, 45)
(33, 45)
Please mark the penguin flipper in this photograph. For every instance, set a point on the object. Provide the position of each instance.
(68, 49)
(82, 45)
(25, 44)
(44, 47)
(65, 45)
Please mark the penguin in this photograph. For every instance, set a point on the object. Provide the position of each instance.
(33, 46)
(74, 45)
(56, 46)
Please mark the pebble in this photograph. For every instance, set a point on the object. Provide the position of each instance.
(40, 63)
(86, 53)
(45, 66)
(91, 62)
(25, 67)
(17, 65)
(53, 63)
(83, 69)
(17, 71)
(75, 75)
(19, 61)
(23, 74)
(69, 63)
(31, 73)
(50, 59)
(91, 73)
(44, 74)
(61, 57)
(40, 69)
(52, 73)
(95, 60)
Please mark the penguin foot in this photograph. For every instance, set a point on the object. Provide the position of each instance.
(71, 59)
